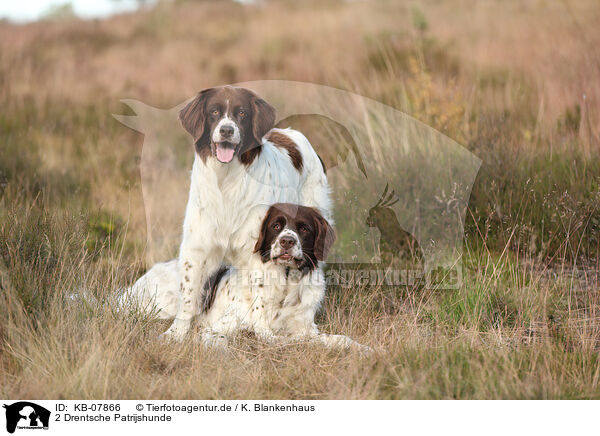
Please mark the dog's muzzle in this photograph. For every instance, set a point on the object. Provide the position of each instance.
(286, 249)
(226, 138)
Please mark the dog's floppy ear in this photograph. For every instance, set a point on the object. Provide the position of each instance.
(261, 244)
(325, 236)
(263, 118)
(192, 116)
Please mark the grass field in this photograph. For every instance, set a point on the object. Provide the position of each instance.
(515, 82)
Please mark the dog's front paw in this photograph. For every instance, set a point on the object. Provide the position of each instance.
(363, 350)
(346, 343)
(214, 340)
(171, 336)
(177, 331)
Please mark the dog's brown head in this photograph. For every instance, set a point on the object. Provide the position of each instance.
(294, 236)
(228, 121)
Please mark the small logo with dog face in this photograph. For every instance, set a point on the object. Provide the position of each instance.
(26, 415)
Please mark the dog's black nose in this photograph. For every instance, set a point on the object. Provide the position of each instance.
(287, 242)
(226, 131)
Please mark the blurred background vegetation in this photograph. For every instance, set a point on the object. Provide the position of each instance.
(514, 82)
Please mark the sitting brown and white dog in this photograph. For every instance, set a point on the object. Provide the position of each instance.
(275, 294)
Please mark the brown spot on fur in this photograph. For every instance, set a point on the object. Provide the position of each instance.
(320, 129)
(187, 279)
(280, 140)
(248, 157)
(203, 152)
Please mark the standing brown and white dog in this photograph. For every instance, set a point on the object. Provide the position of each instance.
(242, 166)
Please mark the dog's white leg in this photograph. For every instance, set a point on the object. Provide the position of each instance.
(341, 342)
(334, 342)
(195, 267)
(308, 331)
(197, 260)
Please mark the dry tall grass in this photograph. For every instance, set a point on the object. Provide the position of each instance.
(506, 79)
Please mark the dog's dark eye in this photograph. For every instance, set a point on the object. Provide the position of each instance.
(304, 229)
(215, 112)
(241, 113)
(276, 226)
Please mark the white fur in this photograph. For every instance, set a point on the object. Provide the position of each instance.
(157, 291)
(225, 208)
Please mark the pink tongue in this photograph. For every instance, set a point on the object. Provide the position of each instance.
(224, 154)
